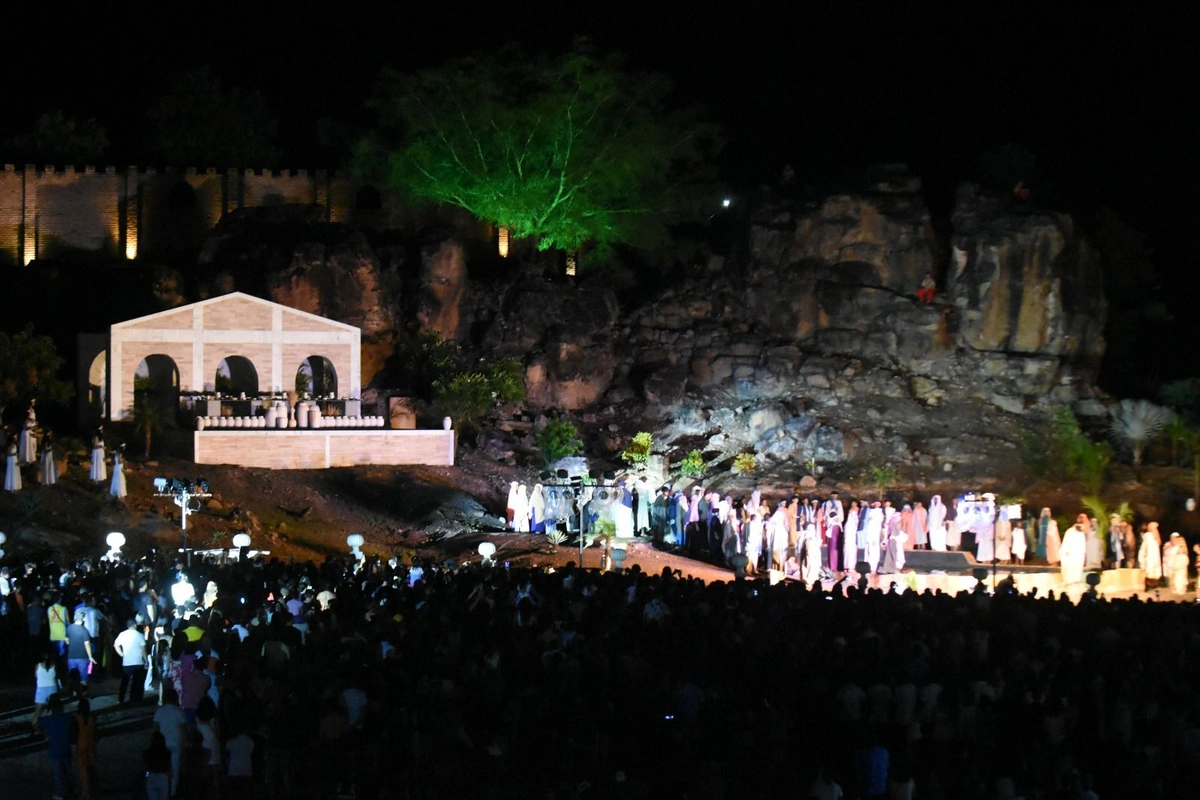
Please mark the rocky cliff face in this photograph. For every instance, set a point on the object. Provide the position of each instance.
(815, 345)
(810, 345)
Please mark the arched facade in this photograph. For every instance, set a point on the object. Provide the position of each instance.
(271, 338)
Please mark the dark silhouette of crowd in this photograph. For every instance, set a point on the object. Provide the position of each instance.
(376, 680)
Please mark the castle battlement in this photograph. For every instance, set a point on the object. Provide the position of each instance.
(135, 211)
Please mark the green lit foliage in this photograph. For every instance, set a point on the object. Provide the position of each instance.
(507, 379)
(882, 477)
(1182, 396)
(575, 151)
(1065, 451)
(744, 463)
(692, 465)
(29, 366)
(558, 439)
(1178, 434)
(638, 452)
(555, 538)
(465, 398)
(422, 359)
(58, 139)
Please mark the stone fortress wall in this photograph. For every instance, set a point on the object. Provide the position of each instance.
(143, 212)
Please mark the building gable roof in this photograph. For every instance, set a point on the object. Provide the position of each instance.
(182, 311)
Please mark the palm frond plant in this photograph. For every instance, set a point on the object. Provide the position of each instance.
(1135, 423)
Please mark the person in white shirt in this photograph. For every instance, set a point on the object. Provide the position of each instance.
(130, 645)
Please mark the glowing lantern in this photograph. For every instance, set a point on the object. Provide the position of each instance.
(115, 541)
(355, 542)
(241, 540)
(486, 551)
(502, 242)
(572, 262)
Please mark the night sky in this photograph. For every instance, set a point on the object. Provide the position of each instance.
(1107, 101)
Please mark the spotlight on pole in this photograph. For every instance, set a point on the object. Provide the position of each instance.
(115, 541)
(182, 492)
(726, 202)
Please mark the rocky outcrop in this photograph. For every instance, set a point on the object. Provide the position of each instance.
(289, 254)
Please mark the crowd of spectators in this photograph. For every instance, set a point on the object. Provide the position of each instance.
(374, 679)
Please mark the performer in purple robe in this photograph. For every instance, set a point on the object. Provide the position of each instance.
(834, 518)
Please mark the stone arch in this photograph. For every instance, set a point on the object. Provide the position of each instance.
(156, 383)
(236, 375)
(317, 376)
(97, 394)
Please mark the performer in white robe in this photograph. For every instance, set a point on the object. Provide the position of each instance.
(117, 488)
(779, 534)
(510, 508)
(811, 570)
(1095, 547)
(850, 538)
(48, 469)
(27, 446)
(985, 543)
(521, 509)
(937, 523)
(754, 542)
(1019, 543)
(874, 535)
(1150, 553)
(1004, 539)
(1175, 562)
(98, 472)
(537, 509)
(645, 499)
(12, 469)
(921, 525)
(1072, 553)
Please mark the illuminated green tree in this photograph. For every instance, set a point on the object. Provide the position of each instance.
(574, 151)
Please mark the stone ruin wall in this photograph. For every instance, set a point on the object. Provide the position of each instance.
(143, 212)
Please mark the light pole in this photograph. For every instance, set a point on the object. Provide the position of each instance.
(182, 492)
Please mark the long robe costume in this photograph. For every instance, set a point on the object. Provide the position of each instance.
(953, 535)
(893, 554)
(907, 525)
(510, 507)
(12, 469)
(1175, 562)
(27, 445)
(1004, 539)
(1072, 553)
(754, 542)
(1131, 545)
(811, 568)
(623, 512)
(850, 540)
(834, 518)
(537, 509)
(1020, 544)
(713, 502)
(521, 509)
(937, 523)
(731, 540)
(117, 488)
(985, 543)
(98, 470)
(1116, 542)
(680, 518)
(1094, 556)
(921, 525)
(874, 537)
(659, 512)
(1150, 554)
(793, 512)
(48, 468)
(1049, 541)
(779, 535)
(641, 517)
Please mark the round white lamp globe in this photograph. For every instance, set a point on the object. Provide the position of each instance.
(241, 540)
(486, 551)
(355, 541)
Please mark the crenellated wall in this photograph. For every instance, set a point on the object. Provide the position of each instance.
(133, 212)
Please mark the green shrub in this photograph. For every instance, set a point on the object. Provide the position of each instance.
(466, 398)
(744, 463)
(692, 465)
(639, 450)
(558, 439)
(507, 378)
